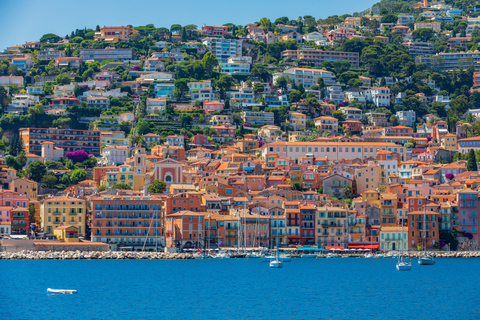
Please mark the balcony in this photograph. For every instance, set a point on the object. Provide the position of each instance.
(56, 222)
(15, 216)
(19, 225)
(72, 213)
(56, 213)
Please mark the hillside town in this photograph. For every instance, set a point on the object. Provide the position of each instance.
(359, 131)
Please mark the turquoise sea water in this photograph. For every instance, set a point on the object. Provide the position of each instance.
(240, 289)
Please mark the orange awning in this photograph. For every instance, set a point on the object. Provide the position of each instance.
(334, 248)
(363, 246)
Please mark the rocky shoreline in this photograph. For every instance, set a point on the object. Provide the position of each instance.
(91, 255)
(124, 255)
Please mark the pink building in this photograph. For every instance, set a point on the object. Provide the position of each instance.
(66, 62)
(341, 34)
(226, 130)
(6, 80)
(468, 208)
(208, 30)
(14, 209)
(212, 106)
(62, 103)
(399, 131)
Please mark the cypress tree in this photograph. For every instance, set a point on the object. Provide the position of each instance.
(472, 161)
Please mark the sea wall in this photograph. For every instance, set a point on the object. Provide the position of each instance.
(93, 255)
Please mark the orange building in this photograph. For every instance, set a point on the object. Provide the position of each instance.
(191, 201)
(420, 228)
(114, 34)
(185, 229)
(132, 221)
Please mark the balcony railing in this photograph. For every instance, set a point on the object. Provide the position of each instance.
(56, 213)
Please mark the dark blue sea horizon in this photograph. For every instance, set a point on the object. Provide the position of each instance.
(239, 289)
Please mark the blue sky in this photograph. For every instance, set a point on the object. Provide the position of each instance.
(33, 18)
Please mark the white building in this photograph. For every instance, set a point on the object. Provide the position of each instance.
(21, 103)
(406, 118)
(155, 105)
(307, 77)
(236, 65)
(379, 96)
(114, 155)
(201, 90)
(351, 113)
(223, 49)
(176, 141)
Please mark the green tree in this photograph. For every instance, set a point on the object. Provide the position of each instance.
(36, 171)
(223, 83)
(142, 127)
(157, 186)
(77, 176)
(182, 86)
(347, 190)
(63, 79)
(209, 62)
(31, 213)
(472, 161)
(295, 96)
(49, 38)
(102, 188)
(184, 35)
(339, 115)
(121, 186)
(49, 180)
(186, 120)
(459, 105)
(258, 88)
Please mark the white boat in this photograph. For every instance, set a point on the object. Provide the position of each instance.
(62, 291)
(308, 255)
(200, 255)
(404, 266)
(221, 255)
(272, 258)
(331, 255)
(379, 256)
(425, 259)
(369, 256)
(276, 264)
(254, 255)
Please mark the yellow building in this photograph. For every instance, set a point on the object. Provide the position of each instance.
(331, 227)
(125, 175)
(24, 186)
(66, 233)
(62, 211)
(449, 142)
(388, 209)
(298, 120)
(220, 119)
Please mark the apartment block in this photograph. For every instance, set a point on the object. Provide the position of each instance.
(68, 139)
(316, 57)
(223, 49)
(108, 53)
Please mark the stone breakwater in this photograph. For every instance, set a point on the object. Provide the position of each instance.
(93, 255)
(438, 254)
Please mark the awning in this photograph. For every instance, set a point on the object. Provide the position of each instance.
(334, 248)
(363, 246)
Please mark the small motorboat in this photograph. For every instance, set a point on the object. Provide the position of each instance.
(62, 291)
(308, 255)
(273, 258)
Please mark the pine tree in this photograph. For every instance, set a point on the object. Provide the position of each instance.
(472, 161)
